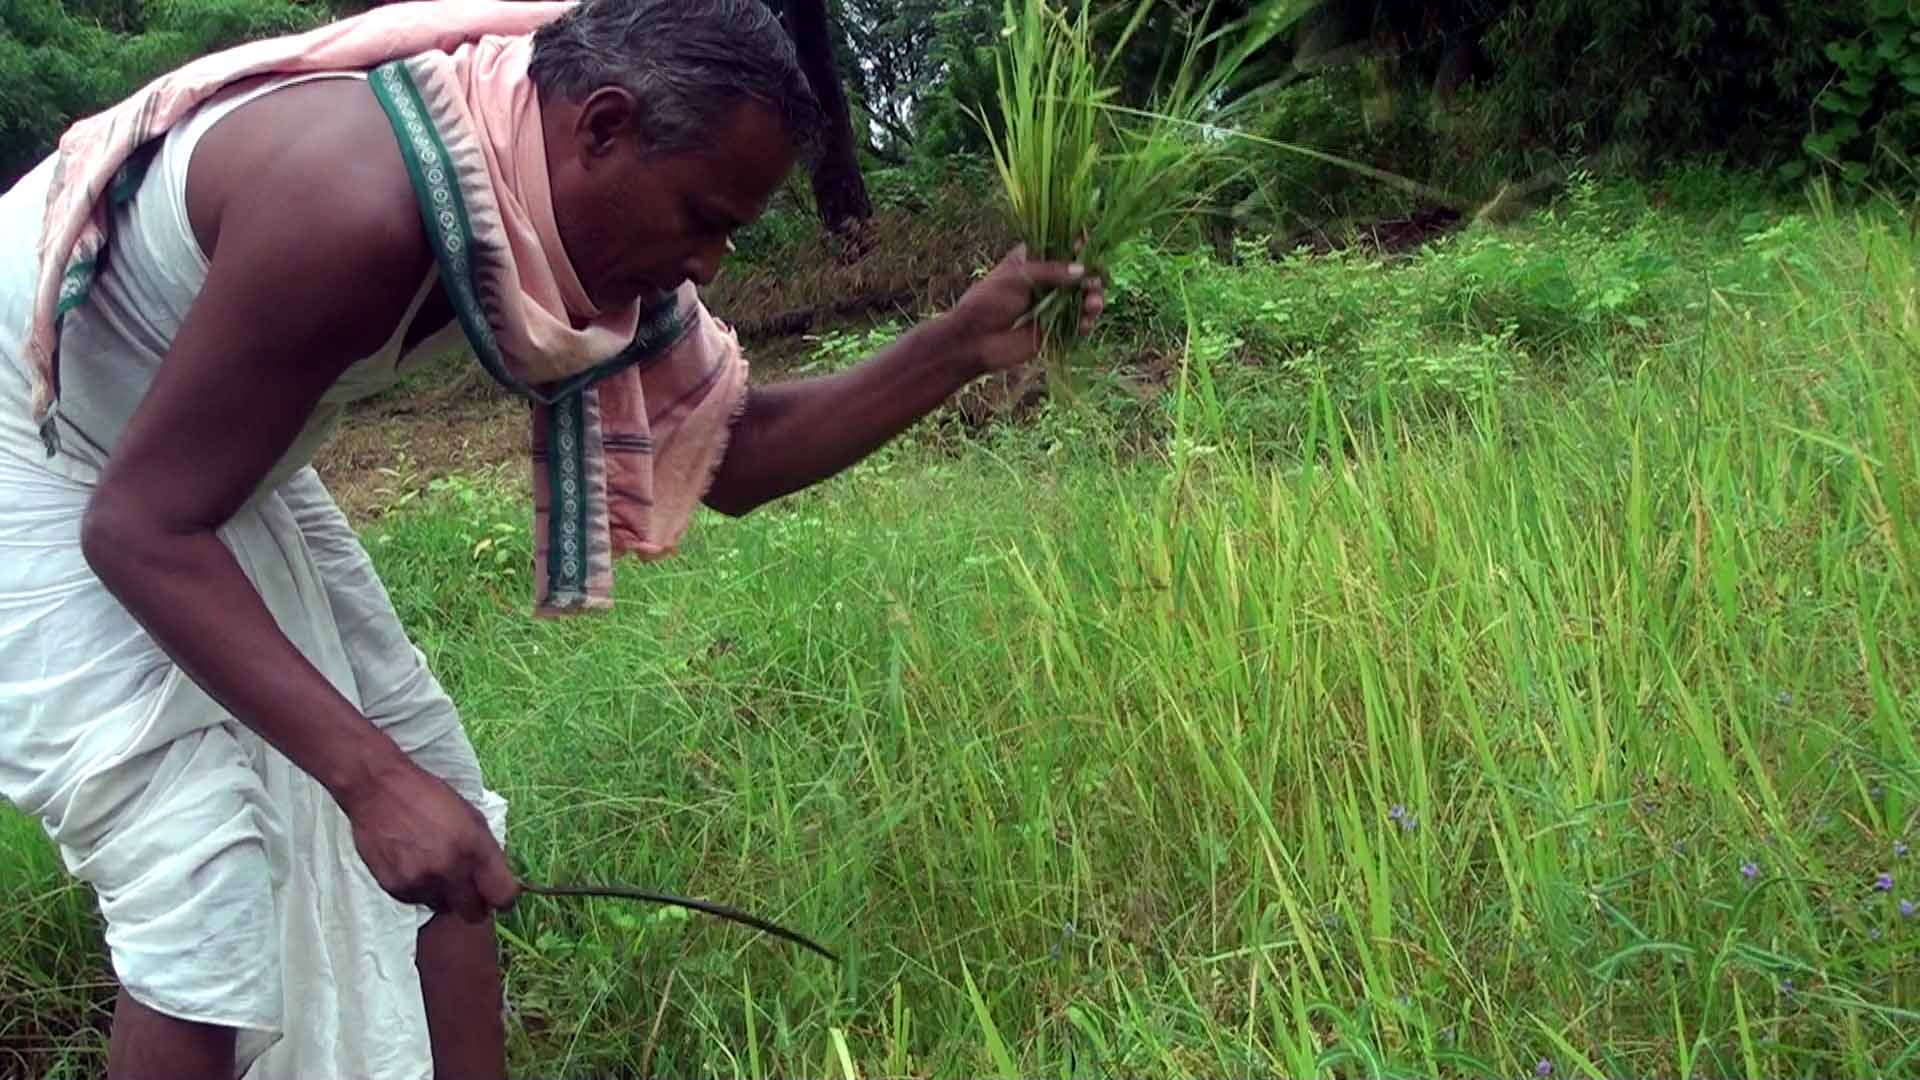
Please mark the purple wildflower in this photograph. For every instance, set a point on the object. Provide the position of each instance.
(1407, 821)
(1883, 883)
(1545, 1068)
(1750, 870)
(1066, 931)
(1907, 909)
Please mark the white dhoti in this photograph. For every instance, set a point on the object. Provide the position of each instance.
(231, 888)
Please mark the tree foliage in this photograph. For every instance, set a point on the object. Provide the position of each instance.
(896, 66)
(61, 60)
(1670, 77)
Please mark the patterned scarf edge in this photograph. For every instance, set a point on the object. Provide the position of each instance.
(575, 504)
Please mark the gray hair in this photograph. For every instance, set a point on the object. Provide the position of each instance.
(689, 63)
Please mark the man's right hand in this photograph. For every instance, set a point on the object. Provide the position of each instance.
(427, 845)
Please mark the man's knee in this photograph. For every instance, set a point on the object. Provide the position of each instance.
(147, 1045)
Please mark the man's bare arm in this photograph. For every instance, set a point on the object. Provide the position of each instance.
(795, 434)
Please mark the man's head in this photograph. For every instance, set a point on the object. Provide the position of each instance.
(669, 124)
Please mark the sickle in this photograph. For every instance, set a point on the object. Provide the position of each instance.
(718, 910)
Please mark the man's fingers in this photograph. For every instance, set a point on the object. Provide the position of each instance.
(1095, 305)
(463, 899)
(496, 884)
(1054, 275)
(1096, 301)
(419, 893)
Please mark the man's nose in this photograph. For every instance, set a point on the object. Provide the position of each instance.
(703, 266)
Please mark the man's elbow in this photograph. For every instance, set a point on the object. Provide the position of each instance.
(106, 535)
(732, 502)
(121, 538)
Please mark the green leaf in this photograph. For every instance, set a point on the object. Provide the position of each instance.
(1835, 101)
(996, 1046)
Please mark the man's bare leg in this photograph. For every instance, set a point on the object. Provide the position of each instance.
(460, 982)
(148, 1046)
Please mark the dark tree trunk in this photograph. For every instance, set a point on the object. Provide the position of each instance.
(838, 187)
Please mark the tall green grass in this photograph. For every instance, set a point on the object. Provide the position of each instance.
(1578, 736)
(1568, 726)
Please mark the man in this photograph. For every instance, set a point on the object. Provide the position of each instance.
(205, 695)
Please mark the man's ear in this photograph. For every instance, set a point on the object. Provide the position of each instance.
(607, 118)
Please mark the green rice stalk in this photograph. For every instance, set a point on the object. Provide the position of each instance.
(1081, 176)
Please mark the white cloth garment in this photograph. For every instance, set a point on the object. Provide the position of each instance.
(230, 885)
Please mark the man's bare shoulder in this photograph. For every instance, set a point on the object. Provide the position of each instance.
(311, 175)
(323, 154)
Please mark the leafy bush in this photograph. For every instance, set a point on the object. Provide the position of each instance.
(926, 185)
(1658, 80)
(1608, 277)
(1871, 109)
(837, 349)
(1521, 85)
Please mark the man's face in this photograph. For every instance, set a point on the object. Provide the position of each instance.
(636, 227)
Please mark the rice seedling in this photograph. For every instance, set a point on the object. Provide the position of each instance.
(1082, 173)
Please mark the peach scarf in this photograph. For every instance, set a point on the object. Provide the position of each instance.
(631, 409)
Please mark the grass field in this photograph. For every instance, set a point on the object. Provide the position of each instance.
(1500, 663)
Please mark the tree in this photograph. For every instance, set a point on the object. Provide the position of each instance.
(896, 67)
(839, 188)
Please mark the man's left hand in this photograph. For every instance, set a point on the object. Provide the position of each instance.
(990, 315)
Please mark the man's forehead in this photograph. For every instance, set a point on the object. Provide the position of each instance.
(750, 153)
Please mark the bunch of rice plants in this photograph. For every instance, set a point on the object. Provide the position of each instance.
(1081, 173)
